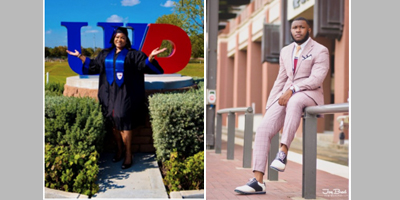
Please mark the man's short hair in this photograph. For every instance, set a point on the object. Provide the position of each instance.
(304, 19)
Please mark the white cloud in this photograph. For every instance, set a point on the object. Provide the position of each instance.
(49, 31)
(89, 29)
(169, 3)
(130, 2)
(115, 18)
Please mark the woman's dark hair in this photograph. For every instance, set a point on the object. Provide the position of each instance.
(125, 32)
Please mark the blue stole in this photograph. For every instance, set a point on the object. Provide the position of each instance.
(119, 66)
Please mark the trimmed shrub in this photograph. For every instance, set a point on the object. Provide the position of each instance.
(184, 174)
(199, 81)
(71, 172)
(74, 122)
(177, 123)
(54, 89)
(196, 60)
(74, 134)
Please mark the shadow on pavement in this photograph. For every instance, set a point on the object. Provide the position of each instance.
(110, 173)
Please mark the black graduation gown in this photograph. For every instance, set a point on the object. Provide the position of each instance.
(125, 105)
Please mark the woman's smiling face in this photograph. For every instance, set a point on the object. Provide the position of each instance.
(120, 40)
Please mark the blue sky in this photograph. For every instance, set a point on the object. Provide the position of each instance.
(94, 11)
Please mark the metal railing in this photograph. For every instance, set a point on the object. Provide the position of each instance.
(247, 138)
(309, 141)
(248, 133)
(310, 144)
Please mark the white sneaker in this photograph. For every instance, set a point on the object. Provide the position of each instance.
(279, 164)
(252, 187)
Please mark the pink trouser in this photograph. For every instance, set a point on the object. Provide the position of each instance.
(275, 118)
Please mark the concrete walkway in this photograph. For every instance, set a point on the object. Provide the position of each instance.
(142, 180)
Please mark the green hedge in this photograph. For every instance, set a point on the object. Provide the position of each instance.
(74, 134)
(56, 89)
(74, 122)
(69, 171)
(196, 60)
(185, 174)
(199, 81)
(177, 123)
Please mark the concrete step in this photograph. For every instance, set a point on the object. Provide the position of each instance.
(55, 194)
(187, 194)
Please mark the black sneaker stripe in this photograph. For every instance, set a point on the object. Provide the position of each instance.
(254, 184)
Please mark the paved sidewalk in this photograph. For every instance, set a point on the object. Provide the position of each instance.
(223, 176)
(142, 180)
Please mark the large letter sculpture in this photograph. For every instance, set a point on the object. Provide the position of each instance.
(145, 37)
(182, 49)
(74, 42)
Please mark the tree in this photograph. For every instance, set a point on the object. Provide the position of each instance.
(96, 52)
(188, 15)
(87, 51)
(174, 19)
(197, 45)
(192, 12)
(58, 52)
(46, 52)
(63, 51)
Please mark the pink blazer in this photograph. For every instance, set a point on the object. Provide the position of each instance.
(312, 67)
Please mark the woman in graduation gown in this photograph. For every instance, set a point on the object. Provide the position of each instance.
(121, 90)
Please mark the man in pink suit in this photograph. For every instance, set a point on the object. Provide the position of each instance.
(303, 67)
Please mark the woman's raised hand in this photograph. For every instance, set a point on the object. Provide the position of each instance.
(76, 53)
(155, 52)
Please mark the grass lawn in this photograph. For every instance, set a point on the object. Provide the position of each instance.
(193, 70)
(59, 71)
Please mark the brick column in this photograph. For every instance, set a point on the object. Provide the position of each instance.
(342, 71)
(253, 73)
(224, 86)
(239, 77)
(269, 73)
(324, 123)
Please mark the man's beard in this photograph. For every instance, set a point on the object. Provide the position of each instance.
(302, 40)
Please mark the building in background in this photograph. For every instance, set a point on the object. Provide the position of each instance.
(251, 35)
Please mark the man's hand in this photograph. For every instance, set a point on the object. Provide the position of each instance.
(285, 97)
